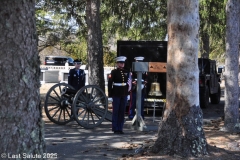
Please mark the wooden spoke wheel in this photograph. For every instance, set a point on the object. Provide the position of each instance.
(90, 106)
(58, 104)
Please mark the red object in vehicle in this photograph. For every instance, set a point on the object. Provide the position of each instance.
(201, 83)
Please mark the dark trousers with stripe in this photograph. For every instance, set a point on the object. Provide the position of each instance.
(119, 107)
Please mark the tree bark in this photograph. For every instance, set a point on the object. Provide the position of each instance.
(180, 131)
(22, 129)
(231, 108)
(95, 49)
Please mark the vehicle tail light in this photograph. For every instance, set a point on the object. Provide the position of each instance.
(201, 83)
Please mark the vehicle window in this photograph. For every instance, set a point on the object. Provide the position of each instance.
(65, 59)
(70, 60)
(49, 58)
(58, 59)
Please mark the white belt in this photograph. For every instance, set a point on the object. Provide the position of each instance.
(141, 80)
(119, 84)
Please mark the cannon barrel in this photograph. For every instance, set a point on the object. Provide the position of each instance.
(66, 90)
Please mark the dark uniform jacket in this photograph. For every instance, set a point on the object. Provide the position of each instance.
(118, 76)
(134, 78)
(76, 79)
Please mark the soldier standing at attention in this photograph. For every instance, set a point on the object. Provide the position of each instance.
(133, 94)
(118, 89)
(76, 76)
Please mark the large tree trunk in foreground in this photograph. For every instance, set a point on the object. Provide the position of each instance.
(95, 49)
(180, 131)
(21, 130)
(231, 109)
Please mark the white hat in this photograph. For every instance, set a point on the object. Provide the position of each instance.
(139, 58)
(121, 59)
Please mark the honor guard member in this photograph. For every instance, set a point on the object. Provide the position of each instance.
(133, 94)
(118, 89)
(76, 76)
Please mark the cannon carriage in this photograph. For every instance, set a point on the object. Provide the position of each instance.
(87, 106)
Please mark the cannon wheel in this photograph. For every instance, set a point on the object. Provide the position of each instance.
(90, 106)
(58, 105)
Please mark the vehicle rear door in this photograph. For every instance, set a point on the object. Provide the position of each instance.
(213, 78)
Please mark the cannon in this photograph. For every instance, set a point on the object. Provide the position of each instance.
(87, 106)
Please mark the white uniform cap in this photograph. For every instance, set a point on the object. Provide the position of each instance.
(139, 58)
(121, 59)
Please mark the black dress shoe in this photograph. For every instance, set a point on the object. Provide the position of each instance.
(121, 132)
(116, 132)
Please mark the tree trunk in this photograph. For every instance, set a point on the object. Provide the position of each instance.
(95, 49)
(180, 131)
(22, 129)
(231, 109)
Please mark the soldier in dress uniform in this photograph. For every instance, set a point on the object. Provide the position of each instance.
(118, 89)
(133, 94)
(76, 76)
